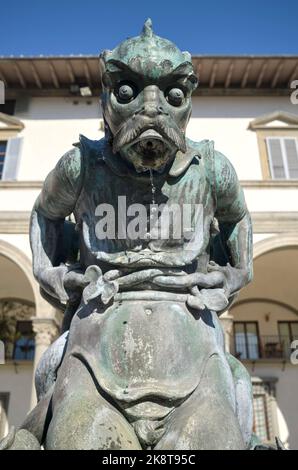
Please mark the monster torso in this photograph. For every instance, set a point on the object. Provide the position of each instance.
(104, 183)
(112, 340)
(126, 344)
(143, 353)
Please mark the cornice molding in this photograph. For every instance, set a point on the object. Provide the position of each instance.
(16, 222)
(11, 123)
(270, 183)
(275, 222)
(249, 184)
(263, 122)
(21, 184)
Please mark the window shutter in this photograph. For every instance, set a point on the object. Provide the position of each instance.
(292, 157)
(274, 147)
(12, 158)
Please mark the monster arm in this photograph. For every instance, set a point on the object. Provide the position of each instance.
(56, 201)
(234, 225)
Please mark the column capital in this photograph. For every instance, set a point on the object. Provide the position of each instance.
(46, 330)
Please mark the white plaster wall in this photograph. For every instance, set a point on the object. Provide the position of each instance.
(267, 314)
(257, 237)
(17, 380)
(286, 397)
(17, 199)
(266, 200)
(52, 125)
(20, 241)
(13, 282)
(225, 120)
(275, 278)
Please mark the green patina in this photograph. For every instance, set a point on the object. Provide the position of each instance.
(145, 362)
(147, 54)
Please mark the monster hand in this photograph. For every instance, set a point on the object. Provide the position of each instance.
(213, 290)
(206, 290)
(210, 292)
(74, 282)
(98, 285)
(64, 283)
(233, 278)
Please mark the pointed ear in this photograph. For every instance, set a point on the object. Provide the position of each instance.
(187, 56)
(192, 76)
(186, 69)
(103, 58)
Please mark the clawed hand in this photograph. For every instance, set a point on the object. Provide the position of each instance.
(214, 288)
(233, 278)
(74, 282)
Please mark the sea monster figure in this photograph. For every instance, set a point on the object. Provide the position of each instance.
(141, 361)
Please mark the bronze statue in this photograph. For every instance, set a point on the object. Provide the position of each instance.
(141, 362)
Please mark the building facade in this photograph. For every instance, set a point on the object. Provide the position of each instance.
(247, 106)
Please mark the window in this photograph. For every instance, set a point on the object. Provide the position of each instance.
(277, 136)
(8, 107)
(288, 332)
(283, 157)
(4, 399)
(24, 342)
(10, 146)
(247, 344)
(262, 417)
(3, 145)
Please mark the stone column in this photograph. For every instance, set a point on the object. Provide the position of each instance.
(46, 331)
(227, 324)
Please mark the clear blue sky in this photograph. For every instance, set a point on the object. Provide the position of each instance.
(63, 27)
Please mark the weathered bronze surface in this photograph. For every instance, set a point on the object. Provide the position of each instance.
(141, 361)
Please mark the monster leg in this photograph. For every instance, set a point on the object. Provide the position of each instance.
(30, 433)
(244, 397)
(82, 417)
(20, 440)
(207, 419)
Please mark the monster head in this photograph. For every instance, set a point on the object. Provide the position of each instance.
(147, 85)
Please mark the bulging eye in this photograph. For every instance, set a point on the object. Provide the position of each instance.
(126, 92)
(175, 96)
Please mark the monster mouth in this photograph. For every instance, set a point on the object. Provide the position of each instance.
(150, 145)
